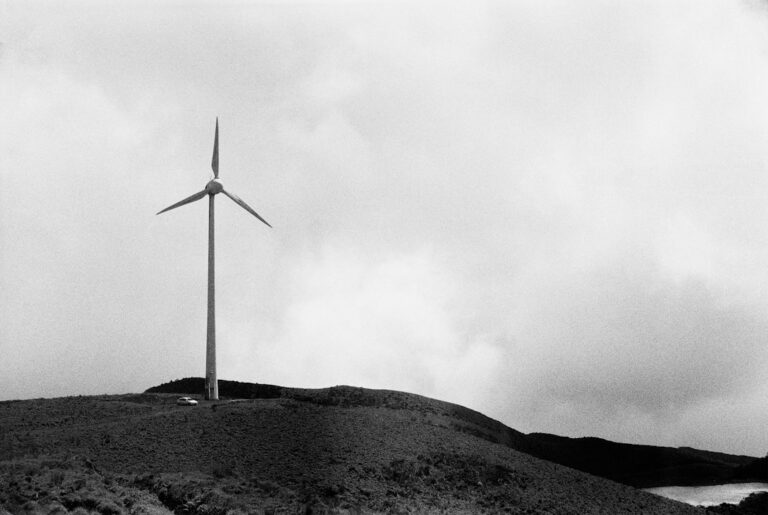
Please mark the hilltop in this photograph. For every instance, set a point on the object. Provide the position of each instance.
(641, 466)
(331, 450)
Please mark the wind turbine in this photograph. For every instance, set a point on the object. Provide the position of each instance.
(213, 188)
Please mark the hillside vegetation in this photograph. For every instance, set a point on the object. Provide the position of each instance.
(641, 466)
(333, 450)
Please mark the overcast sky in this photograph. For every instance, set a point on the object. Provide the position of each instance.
(551, 212)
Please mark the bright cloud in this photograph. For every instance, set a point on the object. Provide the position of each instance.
(553, 213)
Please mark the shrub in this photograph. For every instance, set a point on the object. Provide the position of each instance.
(56, 508)
(266, 486)
(223, 470)
(57, 477)
(107, 507)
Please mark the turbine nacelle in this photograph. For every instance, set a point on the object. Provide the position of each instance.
(214, 186)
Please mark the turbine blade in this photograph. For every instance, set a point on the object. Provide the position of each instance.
(245, 206)
(215, 160)
(192, 198)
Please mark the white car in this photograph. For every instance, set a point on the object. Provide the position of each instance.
(186, 401)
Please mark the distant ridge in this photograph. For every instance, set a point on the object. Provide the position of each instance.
(640, 466)
(756, 470)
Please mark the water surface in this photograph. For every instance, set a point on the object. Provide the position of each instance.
(709, 495)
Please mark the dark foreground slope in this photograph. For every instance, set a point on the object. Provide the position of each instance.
(339, 450)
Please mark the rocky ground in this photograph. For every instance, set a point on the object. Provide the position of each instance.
(337, 450)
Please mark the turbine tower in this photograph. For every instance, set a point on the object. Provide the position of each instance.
(211, 190)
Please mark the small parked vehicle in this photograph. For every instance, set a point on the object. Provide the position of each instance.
(186, 401)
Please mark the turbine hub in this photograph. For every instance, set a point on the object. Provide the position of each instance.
(213, 187)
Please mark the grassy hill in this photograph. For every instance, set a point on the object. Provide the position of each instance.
(332, 450)
(641, 466)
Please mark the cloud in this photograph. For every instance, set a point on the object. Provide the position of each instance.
(552, 214)
(624, 337)
(379, 321)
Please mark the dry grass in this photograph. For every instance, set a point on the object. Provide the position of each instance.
(339, 450)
